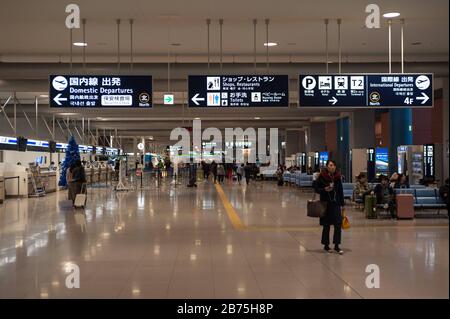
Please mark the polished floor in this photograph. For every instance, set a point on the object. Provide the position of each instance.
(225, 241)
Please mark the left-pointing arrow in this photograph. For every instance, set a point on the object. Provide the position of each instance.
(58, 99)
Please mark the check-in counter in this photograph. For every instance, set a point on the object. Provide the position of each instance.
(49, 181)
(2, 189)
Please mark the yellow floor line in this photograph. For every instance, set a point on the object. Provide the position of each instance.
(239, 225)
(232, 215)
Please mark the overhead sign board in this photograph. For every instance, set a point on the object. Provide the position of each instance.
(366, 90)
(100, 91)
(238, 91)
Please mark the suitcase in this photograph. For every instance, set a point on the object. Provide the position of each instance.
(370, 207)
(80, 199)
(405, 205)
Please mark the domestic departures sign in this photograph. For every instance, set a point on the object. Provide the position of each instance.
(100, 91)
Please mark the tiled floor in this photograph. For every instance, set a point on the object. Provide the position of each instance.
(178, 242)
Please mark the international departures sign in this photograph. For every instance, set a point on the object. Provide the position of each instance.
(238, 91)
(366, 90)
(100, 91)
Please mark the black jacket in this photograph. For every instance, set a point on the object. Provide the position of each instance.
(334, 198)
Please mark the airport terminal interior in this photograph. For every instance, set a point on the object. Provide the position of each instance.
(259, 149)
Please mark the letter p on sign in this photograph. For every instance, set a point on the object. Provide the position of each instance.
(373, 279)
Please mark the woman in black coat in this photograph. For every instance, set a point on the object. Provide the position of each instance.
(329, 186)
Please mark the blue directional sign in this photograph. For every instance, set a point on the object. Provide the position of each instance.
(100, 91)
(366, 90)
(238, 91)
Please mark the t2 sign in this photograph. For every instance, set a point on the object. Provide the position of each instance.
(366, 90)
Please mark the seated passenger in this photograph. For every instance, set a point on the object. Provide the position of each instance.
(361, 188)
(402, 181)
(385, 195)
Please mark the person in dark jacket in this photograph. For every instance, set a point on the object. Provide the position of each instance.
(78, 178)
(443, 193)
(329, 186)
(214, 170)
(402, 181)
(248, 172)
(385, 195)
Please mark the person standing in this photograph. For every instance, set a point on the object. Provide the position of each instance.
(329, 186)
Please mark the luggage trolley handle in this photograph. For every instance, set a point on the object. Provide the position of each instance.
(83, 188)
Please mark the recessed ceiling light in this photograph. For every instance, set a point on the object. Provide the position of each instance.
(391, 15)
(197, 118)
(43, 95)
(270, 44)
(80, 44)
(67, 114)
(257, 118)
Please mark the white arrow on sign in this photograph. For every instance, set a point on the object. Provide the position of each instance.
(424, 98)
(333, 100)
(58, 98)
(195, 99)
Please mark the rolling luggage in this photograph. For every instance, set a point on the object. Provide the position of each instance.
(370, 207)
(405, 205)
(80, 199)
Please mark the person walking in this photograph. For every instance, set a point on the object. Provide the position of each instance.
(214, 170)
(240, 172)
(247, 172)
(78, 178)
(220, 172)
(70, 184)
(329, 186)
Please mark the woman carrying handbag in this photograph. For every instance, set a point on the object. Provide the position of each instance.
(329, 186)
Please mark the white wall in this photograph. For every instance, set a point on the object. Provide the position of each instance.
(25, 158)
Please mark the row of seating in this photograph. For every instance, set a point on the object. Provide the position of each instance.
(424, 197)
(298, 179)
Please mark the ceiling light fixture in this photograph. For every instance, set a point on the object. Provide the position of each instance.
(391, 15)
(43, 95)
(197, 118)
(257, 118)
(270, 44)
(80, 44)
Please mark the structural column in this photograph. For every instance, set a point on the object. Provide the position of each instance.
(316, 137)
(445, 141)
(400, 124)
(362, 129)
(343, 146)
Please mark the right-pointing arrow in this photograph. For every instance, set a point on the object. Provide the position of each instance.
(424, 98)
(195, 99)
(58, 98)
(333, 100)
